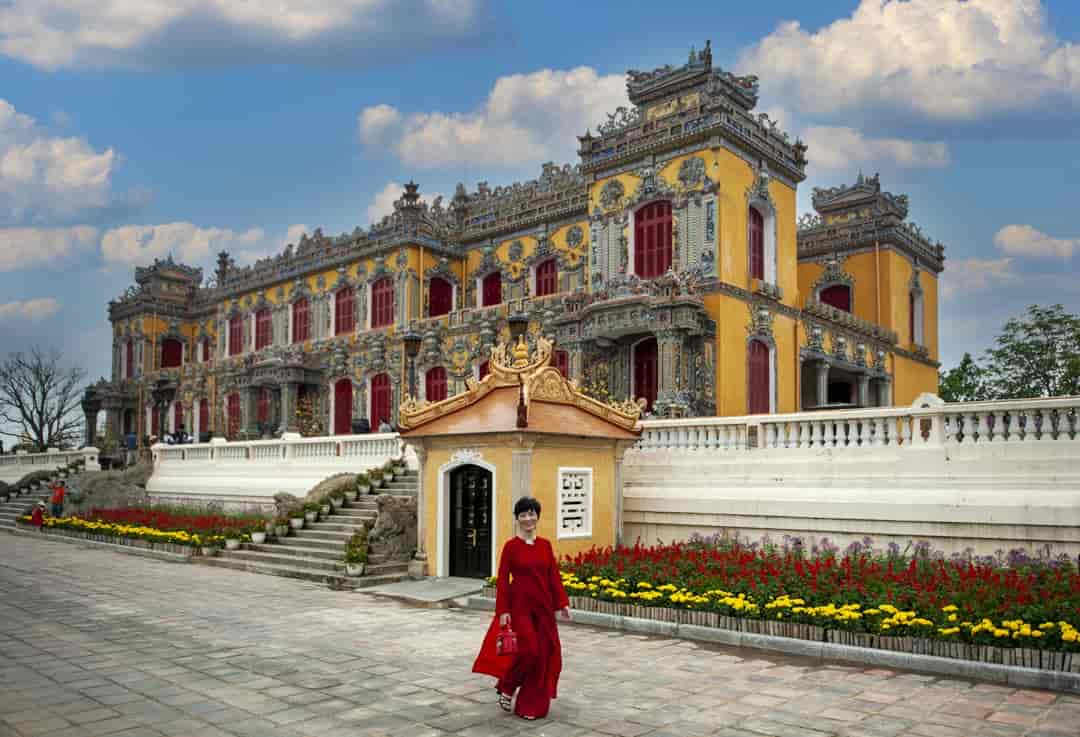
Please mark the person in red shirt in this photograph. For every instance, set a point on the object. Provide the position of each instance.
(529, 603)
(37, 517)
(58, 499)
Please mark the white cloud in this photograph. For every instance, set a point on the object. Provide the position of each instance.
(54, 34)
(526, 118)
(382, 204)
(136, 245)
(841, 148)
(1024, 240)
(971, 275)
(31, 309)
(939, 60)
(27, 248)
(43, 178)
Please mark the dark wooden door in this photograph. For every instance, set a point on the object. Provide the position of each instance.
(343, 407)
(645, 365)
(380, 400)
(470, 522)
(759, 381)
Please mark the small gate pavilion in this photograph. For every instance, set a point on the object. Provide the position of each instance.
(523, 430)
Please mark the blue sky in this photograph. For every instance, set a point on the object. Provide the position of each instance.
(186, 126)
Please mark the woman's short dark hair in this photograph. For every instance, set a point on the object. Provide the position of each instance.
(526, 504)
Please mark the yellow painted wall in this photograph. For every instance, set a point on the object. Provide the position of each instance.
(910, 379)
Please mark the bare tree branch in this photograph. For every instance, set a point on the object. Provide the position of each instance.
(41, 399)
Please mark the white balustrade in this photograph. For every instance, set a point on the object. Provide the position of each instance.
(16, 465)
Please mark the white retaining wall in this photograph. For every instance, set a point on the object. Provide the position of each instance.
(251, 472)
(989, 476)
(14, 467)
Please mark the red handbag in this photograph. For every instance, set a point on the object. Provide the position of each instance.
(506, 641)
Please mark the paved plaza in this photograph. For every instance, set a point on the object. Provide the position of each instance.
(97, 643)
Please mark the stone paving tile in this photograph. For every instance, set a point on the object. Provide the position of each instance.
(282, 658)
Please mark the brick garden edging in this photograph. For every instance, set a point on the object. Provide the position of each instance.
(911, 653)
(167, 551)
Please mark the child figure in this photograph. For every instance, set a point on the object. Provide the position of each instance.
(58, 499)
(37, 517)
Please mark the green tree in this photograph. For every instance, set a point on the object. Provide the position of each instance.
(965, 383)
(1037, 355)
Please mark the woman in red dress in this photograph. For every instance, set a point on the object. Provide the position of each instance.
(529, 593)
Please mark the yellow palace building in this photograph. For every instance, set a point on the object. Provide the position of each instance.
(668, 266)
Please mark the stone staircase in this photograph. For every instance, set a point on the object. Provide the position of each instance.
(314, 553)
(11, 511)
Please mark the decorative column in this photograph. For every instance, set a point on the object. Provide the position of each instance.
(822, 369)
(886, 392)
(864, 390)
(669, 358)
(418, 565)
(289, 395)
(621, 446)
(247, 412)
(90, 411)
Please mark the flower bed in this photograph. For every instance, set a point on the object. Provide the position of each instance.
(141, 537)
(1012, 610)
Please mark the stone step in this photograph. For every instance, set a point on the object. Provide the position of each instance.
(353, 512)
(285, 557)
(335, 526)
(326, 535)
(335, 546)
(306, 551)
(333, 580)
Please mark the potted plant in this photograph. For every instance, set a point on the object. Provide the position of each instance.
(388, 471)
(376, 476)
(324, 506)
(351, 493)
(210, 544)
(337, 499)
(363, 483)
(232, 539)
(356, 553)
(281, 526)
(399, 465)
(311, 511)
(296, 518)
(258, 535)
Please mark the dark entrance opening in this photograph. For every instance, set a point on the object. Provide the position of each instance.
(470, 522)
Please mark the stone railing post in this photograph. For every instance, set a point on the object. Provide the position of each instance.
(90, 455)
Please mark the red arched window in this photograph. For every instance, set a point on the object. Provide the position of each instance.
(484, 368)
(645, 369)
(838, 296)
(652, 240)
(344, 311)
(435, 384)
(263, 329)
(382, 303)
(236, 335)
(262, 406)
(758, 374)
(491, 293)
(204, 416)
(440, 297)
(380, 400)
(343, 407)
(757, 244)
(178, 417)
(547, 275)
(301, 320)
(561, 361)
(232, 408)
(129, 359)
(172, 351)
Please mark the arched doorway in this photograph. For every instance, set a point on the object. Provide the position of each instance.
(470, 525)
(343, 407)
(645, 369)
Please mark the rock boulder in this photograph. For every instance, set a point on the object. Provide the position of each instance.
(394, 534)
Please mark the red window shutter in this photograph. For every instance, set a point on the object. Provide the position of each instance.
(758, 380)
(492, 289)
(652, 240)
(344, 311)
(382, 303)
(757, 245)
(440, 297)
(301, 321)
(380, 400)
(236, 335)
(172, 352)
(838, 296)
(233, 409)
(484, 368)
(263, 329)
(204, 416)
(343, 407)
(435, 384)
(547, 275)
(561, 361)
(129, 359)
(262, 413)
(645, 367)
(178, 417)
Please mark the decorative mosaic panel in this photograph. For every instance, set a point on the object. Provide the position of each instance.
(575, 502)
